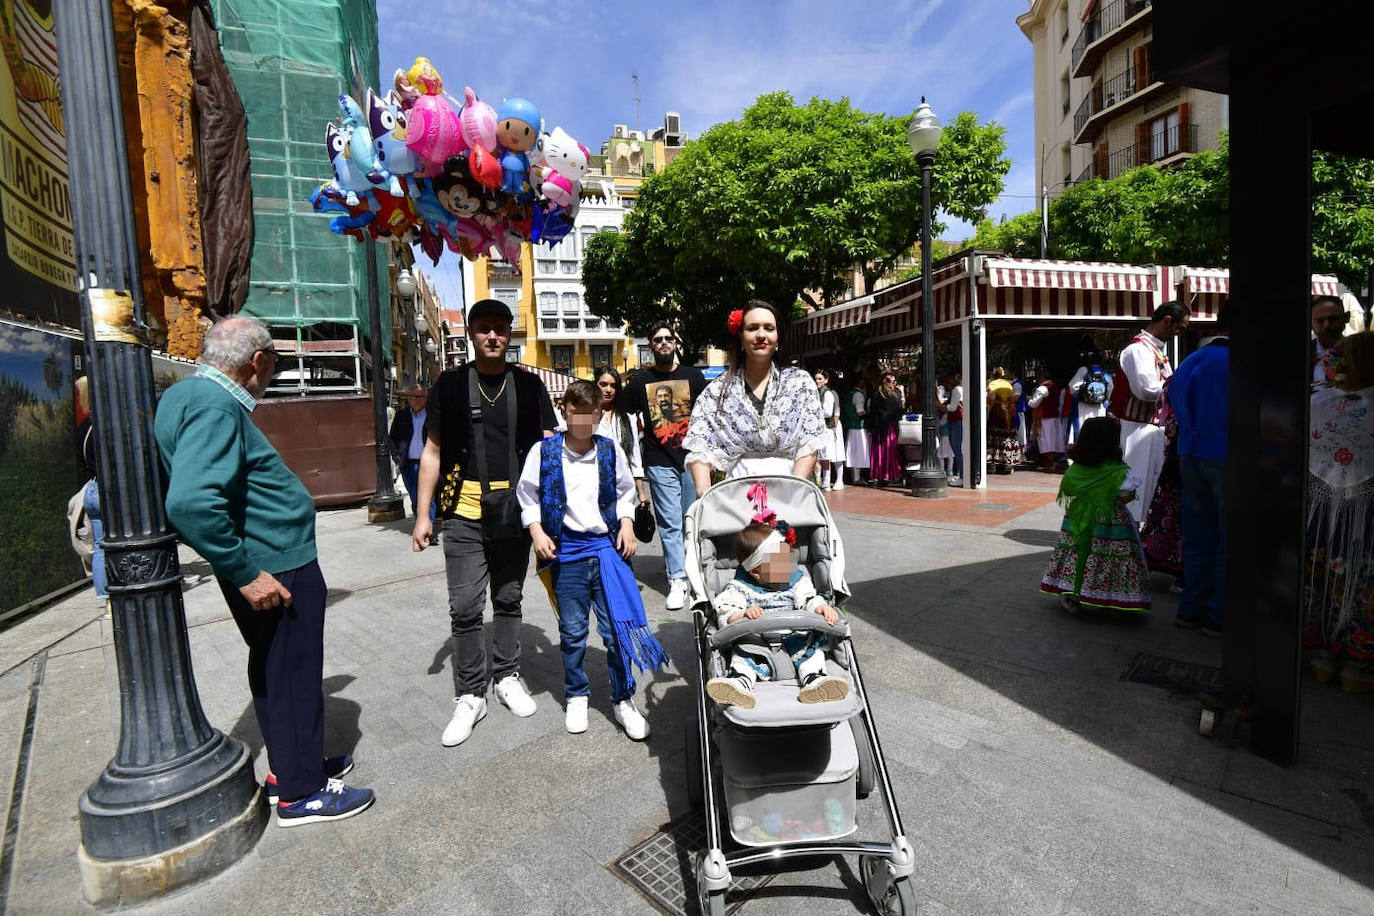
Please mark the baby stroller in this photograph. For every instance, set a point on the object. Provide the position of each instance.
(783, 778)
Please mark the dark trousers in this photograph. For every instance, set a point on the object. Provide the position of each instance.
(471, 565)
(410, 473)
(1203, 510)
(285, 668)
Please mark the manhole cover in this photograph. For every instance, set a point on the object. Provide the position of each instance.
(993, 507)
(663, 869)
(1172, 674)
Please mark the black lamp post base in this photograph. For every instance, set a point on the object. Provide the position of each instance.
(386, 509)
(929, 484)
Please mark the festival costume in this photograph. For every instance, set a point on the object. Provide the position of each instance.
(856, 437)
(883, 412)
(1143, 372)
(750, 657)
(1004, 448)
(833, 448)
(1019, 393)
(1083, 412)
(1050, 406)
(1162, 536)
(741, 435)
(1098, 559)
(1339, 591)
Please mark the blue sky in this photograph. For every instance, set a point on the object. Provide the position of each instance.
(710, 60)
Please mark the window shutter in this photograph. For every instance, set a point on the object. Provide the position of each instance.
(1185, 142)
(1100, 160)
(1142, 142)
(1142, 67)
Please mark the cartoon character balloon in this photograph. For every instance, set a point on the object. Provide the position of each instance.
(434, 132)
(349, 178)
(387, 122)
(479, 133)
(360, 148)
(517, 130)
(564, 164)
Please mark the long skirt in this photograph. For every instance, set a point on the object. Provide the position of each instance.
(1162, 536)
(1114, 576)
(1004, 448)
(856, 448)
(1334, 579)
(887, 463)
(1050, 437)
(833, 447)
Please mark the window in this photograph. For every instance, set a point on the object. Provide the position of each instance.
(1063, 24)
(545, 265)
(645, 357)
(562, 357)
(549, 324)
(512, 354)
(510, 295)
(1064, 90)
(1068, 167)
(572, 303)
(587, 233)
(601, 355)
(548, 303)
(1164, 136)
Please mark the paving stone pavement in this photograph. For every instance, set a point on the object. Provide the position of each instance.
(1031, 778)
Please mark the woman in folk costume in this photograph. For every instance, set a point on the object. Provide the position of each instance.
(853, 409)
(1340, 520)
(832, 452)
(756, 418)
(1004, 448)
(883, 412)
(1098, 563)
(577, 498)
(1050, 405)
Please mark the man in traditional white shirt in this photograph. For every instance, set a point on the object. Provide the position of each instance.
(1329, 319)
(1143, 370)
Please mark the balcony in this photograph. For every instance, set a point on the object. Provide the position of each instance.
(1109, 98)
(1101, 30)
(1163, 148)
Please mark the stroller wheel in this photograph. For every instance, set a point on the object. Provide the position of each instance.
(709, 903)
(889, 897)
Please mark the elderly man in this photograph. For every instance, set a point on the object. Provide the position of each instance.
(234, 501)
(407, 437)
(1329, 319)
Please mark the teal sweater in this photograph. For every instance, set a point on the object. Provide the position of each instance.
(229, 493)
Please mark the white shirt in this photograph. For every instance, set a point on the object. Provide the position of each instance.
(581, 481)
(1144, 373)
(609, 428)
(956, 398)
(417, 434)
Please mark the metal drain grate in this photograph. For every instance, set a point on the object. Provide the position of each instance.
(663, 869)
(1172, 674)
(993, 507)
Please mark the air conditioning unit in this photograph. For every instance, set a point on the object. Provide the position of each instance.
(636, 135)
(672, 122)
(622, 131)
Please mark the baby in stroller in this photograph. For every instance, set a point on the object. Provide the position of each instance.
(768, 582)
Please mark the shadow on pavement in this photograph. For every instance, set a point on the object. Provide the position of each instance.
(983, 621)
(341, 731)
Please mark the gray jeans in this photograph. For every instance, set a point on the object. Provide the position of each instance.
(471, 563)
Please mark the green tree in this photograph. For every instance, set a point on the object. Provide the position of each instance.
(781, 202)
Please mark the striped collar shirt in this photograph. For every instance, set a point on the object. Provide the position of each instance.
(238, 391)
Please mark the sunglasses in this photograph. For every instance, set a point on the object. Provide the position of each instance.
(662, 338)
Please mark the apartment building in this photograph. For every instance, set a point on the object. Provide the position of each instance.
(1099, 110)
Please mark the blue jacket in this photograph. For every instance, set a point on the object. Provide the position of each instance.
(1198, 394)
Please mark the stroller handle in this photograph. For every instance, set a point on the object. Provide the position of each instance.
(770, 623)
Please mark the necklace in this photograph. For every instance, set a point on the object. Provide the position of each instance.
(491, 400)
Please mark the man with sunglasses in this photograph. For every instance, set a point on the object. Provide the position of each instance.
(663, 394)
(235, 502)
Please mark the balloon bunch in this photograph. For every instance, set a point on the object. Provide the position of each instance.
(420, 166)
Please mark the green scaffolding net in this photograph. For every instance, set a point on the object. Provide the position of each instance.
(290, 60)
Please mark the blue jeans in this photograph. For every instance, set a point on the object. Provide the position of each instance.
(1203, 510)
(577, 587)
(91, 503)
(410, 473)
(956, 443)
(673, 492)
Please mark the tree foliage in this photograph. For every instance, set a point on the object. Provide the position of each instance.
(1180, 216)
(783, 201)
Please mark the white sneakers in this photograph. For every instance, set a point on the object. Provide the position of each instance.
(575, 718)
(514, 696)
(468, 710)
(839, 485)
(632, 720)
(677, 595)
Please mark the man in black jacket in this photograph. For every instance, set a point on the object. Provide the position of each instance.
(408, 434)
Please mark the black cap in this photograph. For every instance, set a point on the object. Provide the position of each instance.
(490, 307)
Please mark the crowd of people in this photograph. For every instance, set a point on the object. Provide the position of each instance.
(493, 476)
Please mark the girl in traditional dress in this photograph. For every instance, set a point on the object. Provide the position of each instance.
(1098, 562)
(1004, 448)
(853, 411)
(832, 452)
(883, 413)
(1340, 520)
(756, 418)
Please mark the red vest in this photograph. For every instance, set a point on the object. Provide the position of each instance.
(1053, 405)
(1124, 405)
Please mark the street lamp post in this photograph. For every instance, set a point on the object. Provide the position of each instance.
(178, 802)
(385, 505)
(929, 482)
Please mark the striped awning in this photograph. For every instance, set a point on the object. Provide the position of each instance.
(1071, 275)
(555, 382)
(897, 313)
(849, 314)
(1217, 281)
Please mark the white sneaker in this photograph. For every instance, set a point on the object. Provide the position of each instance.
(516, 698)
(632, 720)
(839, 485)
(677, 595)
(575, 719)
(468, 710)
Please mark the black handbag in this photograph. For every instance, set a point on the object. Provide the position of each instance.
(500, 508)
(644, 523)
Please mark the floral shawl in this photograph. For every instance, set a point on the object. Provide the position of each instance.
(1340, 484)
(727, 425)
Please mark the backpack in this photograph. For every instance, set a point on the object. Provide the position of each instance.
(1094, 389)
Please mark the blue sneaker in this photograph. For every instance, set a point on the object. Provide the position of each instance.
(334, 802)
(334, 768)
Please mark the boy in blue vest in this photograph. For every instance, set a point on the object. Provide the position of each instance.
(577, 498)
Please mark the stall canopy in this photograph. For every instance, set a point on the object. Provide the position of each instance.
(555, 382)
(1206, 288)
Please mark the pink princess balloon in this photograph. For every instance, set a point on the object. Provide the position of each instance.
(435, 131)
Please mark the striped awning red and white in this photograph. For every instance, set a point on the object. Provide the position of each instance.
(1217, 281)
(555, 382)
(849, 314)
(1072, 275)
(898, 310)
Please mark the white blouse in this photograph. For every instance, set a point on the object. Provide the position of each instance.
(727, 426)
(581, 480)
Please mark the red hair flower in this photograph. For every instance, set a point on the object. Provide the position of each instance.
(735, 321)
